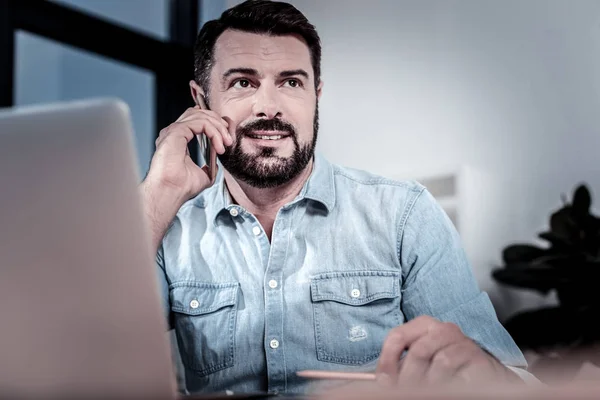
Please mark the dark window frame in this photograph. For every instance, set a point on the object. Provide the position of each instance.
(170, 61)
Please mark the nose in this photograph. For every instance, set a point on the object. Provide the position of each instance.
(266, 103)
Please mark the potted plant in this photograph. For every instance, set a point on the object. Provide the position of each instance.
(570, 266)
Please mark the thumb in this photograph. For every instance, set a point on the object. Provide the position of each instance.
(211, 179)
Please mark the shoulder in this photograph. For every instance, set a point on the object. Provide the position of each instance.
(403, 201)
(347, 178)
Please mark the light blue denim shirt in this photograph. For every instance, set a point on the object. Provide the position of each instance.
(353, 256)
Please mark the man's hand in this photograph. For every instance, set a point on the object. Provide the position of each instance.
(437, 353)
(173, 178)
(171, 164)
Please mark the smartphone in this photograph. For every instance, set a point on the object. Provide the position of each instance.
(208, 152)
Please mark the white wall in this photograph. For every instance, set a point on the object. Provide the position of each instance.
(510, 89)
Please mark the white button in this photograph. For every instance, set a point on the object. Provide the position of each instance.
(233, 212)
(272, 283)
(274, 344)
(194, 303)
(256, 230)
(355, 293)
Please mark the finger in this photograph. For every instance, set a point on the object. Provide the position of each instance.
(188, 130)
(199, 114)
(211, 174)
(175, 131)
(215, 137)
(447, 362)
(206, 170)
(399, 339)
(193, 122)
(219, 122)
(161, 137)
(421, 353)
(230, 127)
(187, 113)
(196, 127)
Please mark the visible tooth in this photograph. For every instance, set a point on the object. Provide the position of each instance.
(269, 137)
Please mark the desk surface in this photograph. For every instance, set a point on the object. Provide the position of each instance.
(580, 391)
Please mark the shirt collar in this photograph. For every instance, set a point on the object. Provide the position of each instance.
(319, 187)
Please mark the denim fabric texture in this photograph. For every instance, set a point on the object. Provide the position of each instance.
(351, 257)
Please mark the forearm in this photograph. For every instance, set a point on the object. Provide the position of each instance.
(160, 207)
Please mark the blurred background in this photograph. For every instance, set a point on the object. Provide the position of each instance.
(494, 105)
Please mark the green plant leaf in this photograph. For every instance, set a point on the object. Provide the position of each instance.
(582, 201)
(562, 260)
(543, 329)
(521, 253)
(556, 241)
(563, 225)
(523, 276)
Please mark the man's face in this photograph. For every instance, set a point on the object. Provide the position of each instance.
(264, 87)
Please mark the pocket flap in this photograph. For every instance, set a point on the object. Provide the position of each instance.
(196, 298)
(356, 287)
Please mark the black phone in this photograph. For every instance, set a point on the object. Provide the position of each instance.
(206, 149)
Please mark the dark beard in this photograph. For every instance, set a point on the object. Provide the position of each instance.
(248, 168)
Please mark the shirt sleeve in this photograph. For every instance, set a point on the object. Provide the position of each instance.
(438, 280)
(163, 286)
(526, 376)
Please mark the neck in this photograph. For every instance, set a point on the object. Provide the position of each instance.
(264, 203)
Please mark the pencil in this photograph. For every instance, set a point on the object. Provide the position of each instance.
(355, 376)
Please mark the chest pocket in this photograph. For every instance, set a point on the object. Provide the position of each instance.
(353, 313)
(204, 317)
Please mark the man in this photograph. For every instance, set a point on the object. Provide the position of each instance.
(287, 262)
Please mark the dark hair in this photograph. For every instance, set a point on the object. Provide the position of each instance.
(254, 16)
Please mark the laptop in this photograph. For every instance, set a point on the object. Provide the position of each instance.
(80, 312)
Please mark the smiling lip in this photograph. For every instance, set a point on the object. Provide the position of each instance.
(268, 135)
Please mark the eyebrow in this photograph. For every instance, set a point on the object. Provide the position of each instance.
(293, 72)
(245, 71)
(253, 72)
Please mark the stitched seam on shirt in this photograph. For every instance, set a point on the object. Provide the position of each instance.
(348, 274)
(191, 362)
(402, 223)
(345, 300)
(410, 185)
(348, 360)
(206, 285)
(317, 330)
(213, 368)
(203, 310)
(318, 295)
(232, 324)
(287, 247)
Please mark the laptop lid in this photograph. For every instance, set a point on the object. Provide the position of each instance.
(80, 313)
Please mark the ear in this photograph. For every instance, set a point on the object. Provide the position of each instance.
(197, 93)
(319, 90)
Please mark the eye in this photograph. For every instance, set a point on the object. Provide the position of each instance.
(241, 83)
(294, 83)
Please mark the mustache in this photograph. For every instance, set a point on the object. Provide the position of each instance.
(266, 125)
